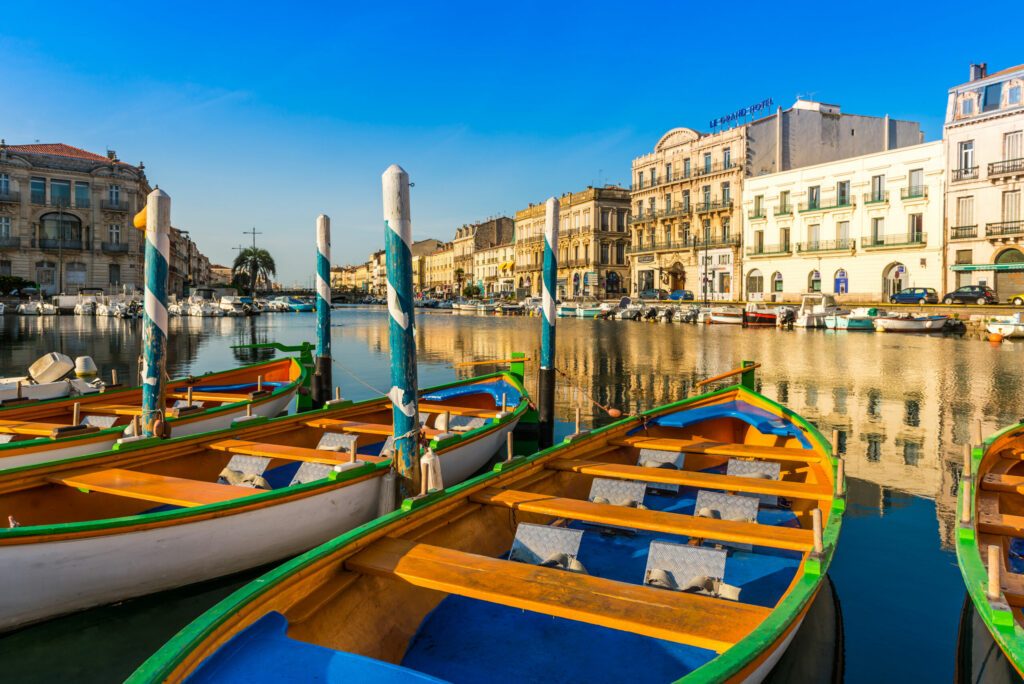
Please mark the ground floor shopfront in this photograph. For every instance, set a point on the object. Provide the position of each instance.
(999, 265)
(594, 282)
(710, 274)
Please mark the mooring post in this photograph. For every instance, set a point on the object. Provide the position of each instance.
(403, 394)
(546, 401)
(156, 219)
(321, 388)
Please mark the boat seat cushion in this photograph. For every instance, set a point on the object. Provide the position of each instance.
(757, 469)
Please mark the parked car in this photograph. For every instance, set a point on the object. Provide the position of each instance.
(1016, 300)
(654, 294)
(915, 295)
(971, 294)
(681, 296)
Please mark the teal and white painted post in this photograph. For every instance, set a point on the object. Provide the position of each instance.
(322, 373)
(546, 401)
(403, 394)
(154, 319)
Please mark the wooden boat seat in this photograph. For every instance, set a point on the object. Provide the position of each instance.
(51, 430)
(700, 446)
(149, 487)
(221, 397)
(361, 428)
(291, 453)
(994, 482)
(700, 621)
(792, 538)
(115, 409)
(687, 478)
(991, 521)
(459, 410)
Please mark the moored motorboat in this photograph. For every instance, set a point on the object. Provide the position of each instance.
(1007, 326)
(757, 313)
(730, 315)
(588, 309)
(990, 539)
(46, 431)
(861, 318)
(910, 323)
(814, 308)
(126, 523)
(629, 542)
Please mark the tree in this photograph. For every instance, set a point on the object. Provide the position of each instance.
(459, 276)
(255, 263)
(471, 291)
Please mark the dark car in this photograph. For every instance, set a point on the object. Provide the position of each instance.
(915, 295)
(681, 296)
(654, 294)
(971, 294)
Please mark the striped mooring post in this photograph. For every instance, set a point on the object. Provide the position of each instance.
(403, 394)
(549, 278)
(321, 388)
(156, 219)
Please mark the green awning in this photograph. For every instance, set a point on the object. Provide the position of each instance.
(988, 267)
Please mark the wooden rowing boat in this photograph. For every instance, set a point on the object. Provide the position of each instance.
(46, 431)
(156, 515)
(549, 563)
(990, 537)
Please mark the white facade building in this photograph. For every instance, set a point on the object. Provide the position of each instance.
(862, 228)
(984, 136)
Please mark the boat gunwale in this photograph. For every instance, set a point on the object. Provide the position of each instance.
(145, 521)
(30, 445)
(180, 651)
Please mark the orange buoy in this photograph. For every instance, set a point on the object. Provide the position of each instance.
(995, 338)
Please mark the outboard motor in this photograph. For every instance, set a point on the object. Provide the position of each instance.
(85, 367)
(691, 315)
(650, 314)
(786, 317)
(665, 315)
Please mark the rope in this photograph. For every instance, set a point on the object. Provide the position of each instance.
(358, 379)
(614, 413)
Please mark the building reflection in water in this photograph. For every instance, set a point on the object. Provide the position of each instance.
(904, 405)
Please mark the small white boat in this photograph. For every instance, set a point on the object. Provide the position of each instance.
(861, 318)
(911, 323)
(588, 309)
(467, 305)
(47, 378)
(757, 314)
(814, 307)
(87, 302)
(728, 315)
(231, 306)
(1007, 326)
(175, 308)
(486, 307)
(567, 310)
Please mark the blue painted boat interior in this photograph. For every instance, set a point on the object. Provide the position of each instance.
(241, 387)
(763, 421)
(495, 388)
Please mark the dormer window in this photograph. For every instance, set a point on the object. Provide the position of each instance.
(967, 107)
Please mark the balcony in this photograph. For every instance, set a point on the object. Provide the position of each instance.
(1007, 167)
(1004, 228)
(914, 192)
(642, 217)
(114, 205)
(10, 197)
(876, 198)
(10, 242)
(768, 250)
(53, 244)
(969, 173)
(824, 245)
(685, 243)
(844, 203)
(114, 247)
(715, 205)
(756, 214)
(717, 167)
(786, 210)
(963, 232)
(895, 240)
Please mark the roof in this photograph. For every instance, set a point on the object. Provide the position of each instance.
(59, 150)
(1003, 72)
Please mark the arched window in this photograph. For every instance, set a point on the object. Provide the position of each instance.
(1010, 256)
(613, 283)
(57, 225)
(755, 282)
(777, 282)
(841, 282)
(814, 281)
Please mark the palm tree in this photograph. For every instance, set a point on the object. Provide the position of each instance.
(257, 264)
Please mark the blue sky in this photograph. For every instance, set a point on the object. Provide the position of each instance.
(266, 114)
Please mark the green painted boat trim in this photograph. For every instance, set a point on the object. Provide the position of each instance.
(159, 666)
(184, 513)
(301, 381)
(1000, 623)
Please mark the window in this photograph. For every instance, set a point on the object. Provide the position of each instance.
(686, 231)
(784, 239)
(5, 184)
(706, 191)
(668, 171)
(915, 228)
(686, 168)
(993, 94)
(814, 234)
(114, 194)
(842, 233)
(604, 252)
(606, 219)
(707, 162)
(726, 198)
(777, 283)
(967, 107)
(686, 200)
(586, 219)
(60, 193)
(877, 229)
(874, 453)
(965, 256)
(1011, 205)
(784, 202)
(576, 220)
(759, 242)
(843, 193)
(114, 274)
(758, 202)
(654, 177)
(640, 179)
(5, 268)
(814, 197)
(1013, 145)
(114, 233)
(726, 158)
(1013, 95)
(668, 203)
(38, 187)
(707, 230)
(725, 228)
(5, 226)
(620, 252)
(965, 152)
(911, 453)
(878, 188)
(916, 188)
(622, 222)
(81, 195)
(650, 206)
(965, 211)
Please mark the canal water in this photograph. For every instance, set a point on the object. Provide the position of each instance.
(905, 405)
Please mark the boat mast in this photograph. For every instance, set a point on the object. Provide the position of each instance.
(403, 394)
(322, 374)
(156, 219)
(546, 405)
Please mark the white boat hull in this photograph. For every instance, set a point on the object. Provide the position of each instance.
(41, 392)
(1006, 329)
(726, 319)
(909, 325)
(45, 579)
(811, 320)
(220, 421)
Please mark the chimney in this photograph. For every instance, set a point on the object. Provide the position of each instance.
(886, 142)
(111, 155)
(979, 71)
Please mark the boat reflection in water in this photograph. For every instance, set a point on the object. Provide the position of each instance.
(979, 660)
(904, 406)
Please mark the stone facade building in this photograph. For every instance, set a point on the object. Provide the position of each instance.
(593, 241)
(66, 218)
(473, 237)
(862, 228)
(984, 147)
(687, 226)
(440, 270)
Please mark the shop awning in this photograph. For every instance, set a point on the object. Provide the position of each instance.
(987, 267)
(507, 265)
